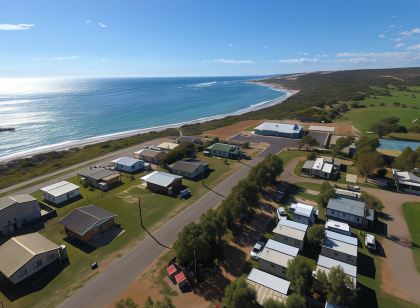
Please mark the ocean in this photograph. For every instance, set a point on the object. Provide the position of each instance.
(57, 113)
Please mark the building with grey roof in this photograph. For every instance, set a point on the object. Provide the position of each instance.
(162, 182)
(407, 182)
(275, 256)
(87, 222)
(325, 264)
(23, 256)
(338, 250)
(351, 211)
(290, 233)
(279, 130)
(268, 286)
(128, 164)
(16, 211)
(341, 237)
(190, 169)
(100, 177)
(322, 167)
(61, 192)
(153, 156)
(224, 150)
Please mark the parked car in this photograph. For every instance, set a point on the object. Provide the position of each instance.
(281, 213)
(256, 251)
(370, 242)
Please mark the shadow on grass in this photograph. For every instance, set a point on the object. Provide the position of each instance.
(366, 266)
(35, 283)
(367, 297)
(211, 284)
(86, 248)
(233, 260)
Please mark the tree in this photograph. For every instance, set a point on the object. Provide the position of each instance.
(193, 240)
(186, 149)
(326, 193)
(415, 127)
(311, 156)
(299, 273)
(166, 303)
(385, 126)
(367, 161)
(214, 224)
(371, 142)
(295, 301)
(126, 303)
(408, 159)
(149, 303)
(341, 143)
(316, 234)
(267, 171)
(271, 303)
(239, 294)
(309, 141)
(372, 202)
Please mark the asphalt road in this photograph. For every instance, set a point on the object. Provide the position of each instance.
(276, 143)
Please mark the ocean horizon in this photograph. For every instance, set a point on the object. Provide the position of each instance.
(51, 114)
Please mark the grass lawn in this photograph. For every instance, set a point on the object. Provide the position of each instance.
(409, 98)
(122, 201)
(412, 216)
(288, 155)
(407, 136)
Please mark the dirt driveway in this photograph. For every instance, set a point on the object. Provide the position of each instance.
(398, 271)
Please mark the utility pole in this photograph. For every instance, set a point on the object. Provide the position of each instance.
(141, 216)
(195, 269)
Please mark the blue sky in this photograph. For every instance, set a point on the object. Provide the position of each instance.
(89, 38)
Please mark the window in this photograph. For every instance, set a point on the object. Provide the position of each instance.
(37, 264)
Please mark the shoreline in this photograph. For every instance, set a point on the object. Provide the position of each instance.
(66, 145)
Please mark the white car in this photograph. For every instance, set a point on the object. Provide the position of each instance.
(256, 251)
(281, 213)
(370, 242)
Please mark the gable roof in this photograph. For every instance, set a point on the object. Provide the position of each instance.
(59, 188)
(97, 173)
(406, 177)
(19, 250)
(126, 161)
(328, 263)
(187, 166)
(339, 246)
(293, 224)
(303, 209)
(83, 219)
(341, 237)
(223, 147)
(148, 153)
(345, 205)
(269, 281)
(10, 200)
(161, 178)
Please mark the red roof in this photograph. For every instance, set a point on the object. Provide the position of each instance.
(180, 277)
(171, 269)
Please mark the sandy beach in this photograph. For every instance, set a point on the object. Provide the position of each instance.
(97, 139)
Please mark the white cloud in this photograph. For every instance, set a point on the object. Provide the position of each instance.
(102, 25)
(265, 47)
(14, 27)
(391, 26)
(382, 35)
(323, 55)
(103, 59)
(374, 57)
(229, 61)
(88, 21)
(399, 45)
(411, 32)
(65, 58)
(414, 47)
(298, 60)
(230, 45)
(303, 53)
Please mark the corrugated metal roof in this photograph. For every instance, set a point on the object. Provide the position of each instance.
(308, 164)
(341, 237)
(269, 281)
(319, 128)
(19, 250)
(289, 232)
(187, 166)
(148, 153)
(303, 209)
(280, 247)
(126, 161)
(337, 225)
(339, 246)
(10, 200)
(348, 206)
(161, 178)
(293, 224)
(329, 263)
(280, 127)
(60, 188)
(223, 147)
(97, 173)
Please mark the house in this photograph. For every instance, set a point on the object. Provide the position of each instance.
(304, 213)
(101, 178)
(348, 193)
(274, 257)
(167, 146)
(319, 128)
(17, 211)
(190, 169)
(322, 167)
(87, 222)
(279, 130)
(268, 286)
(325, 264)
(152, 156)
(338, 227)
(163, 182)
(128, 164)
(224, 150)
(189, 139)
(23, 256)
(337, 249)
(60, 192)
(407, 181)
(290, 232)
(341, 237)
(353, 212)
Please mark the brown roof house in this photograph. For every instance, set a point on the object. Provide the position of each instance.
(100, 178)
(190, 169)
(22, 256)
(16, 211)
(88, 222)
(162, 182)
(152, 156)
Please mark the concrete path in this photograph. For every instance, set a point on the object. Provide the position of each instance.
(66, 173)
(398, 271)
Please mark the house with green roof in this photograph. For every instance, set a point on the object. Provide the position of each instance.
(224, 150)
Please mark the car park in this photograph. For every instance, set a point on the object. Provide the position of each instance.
(281, 213)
